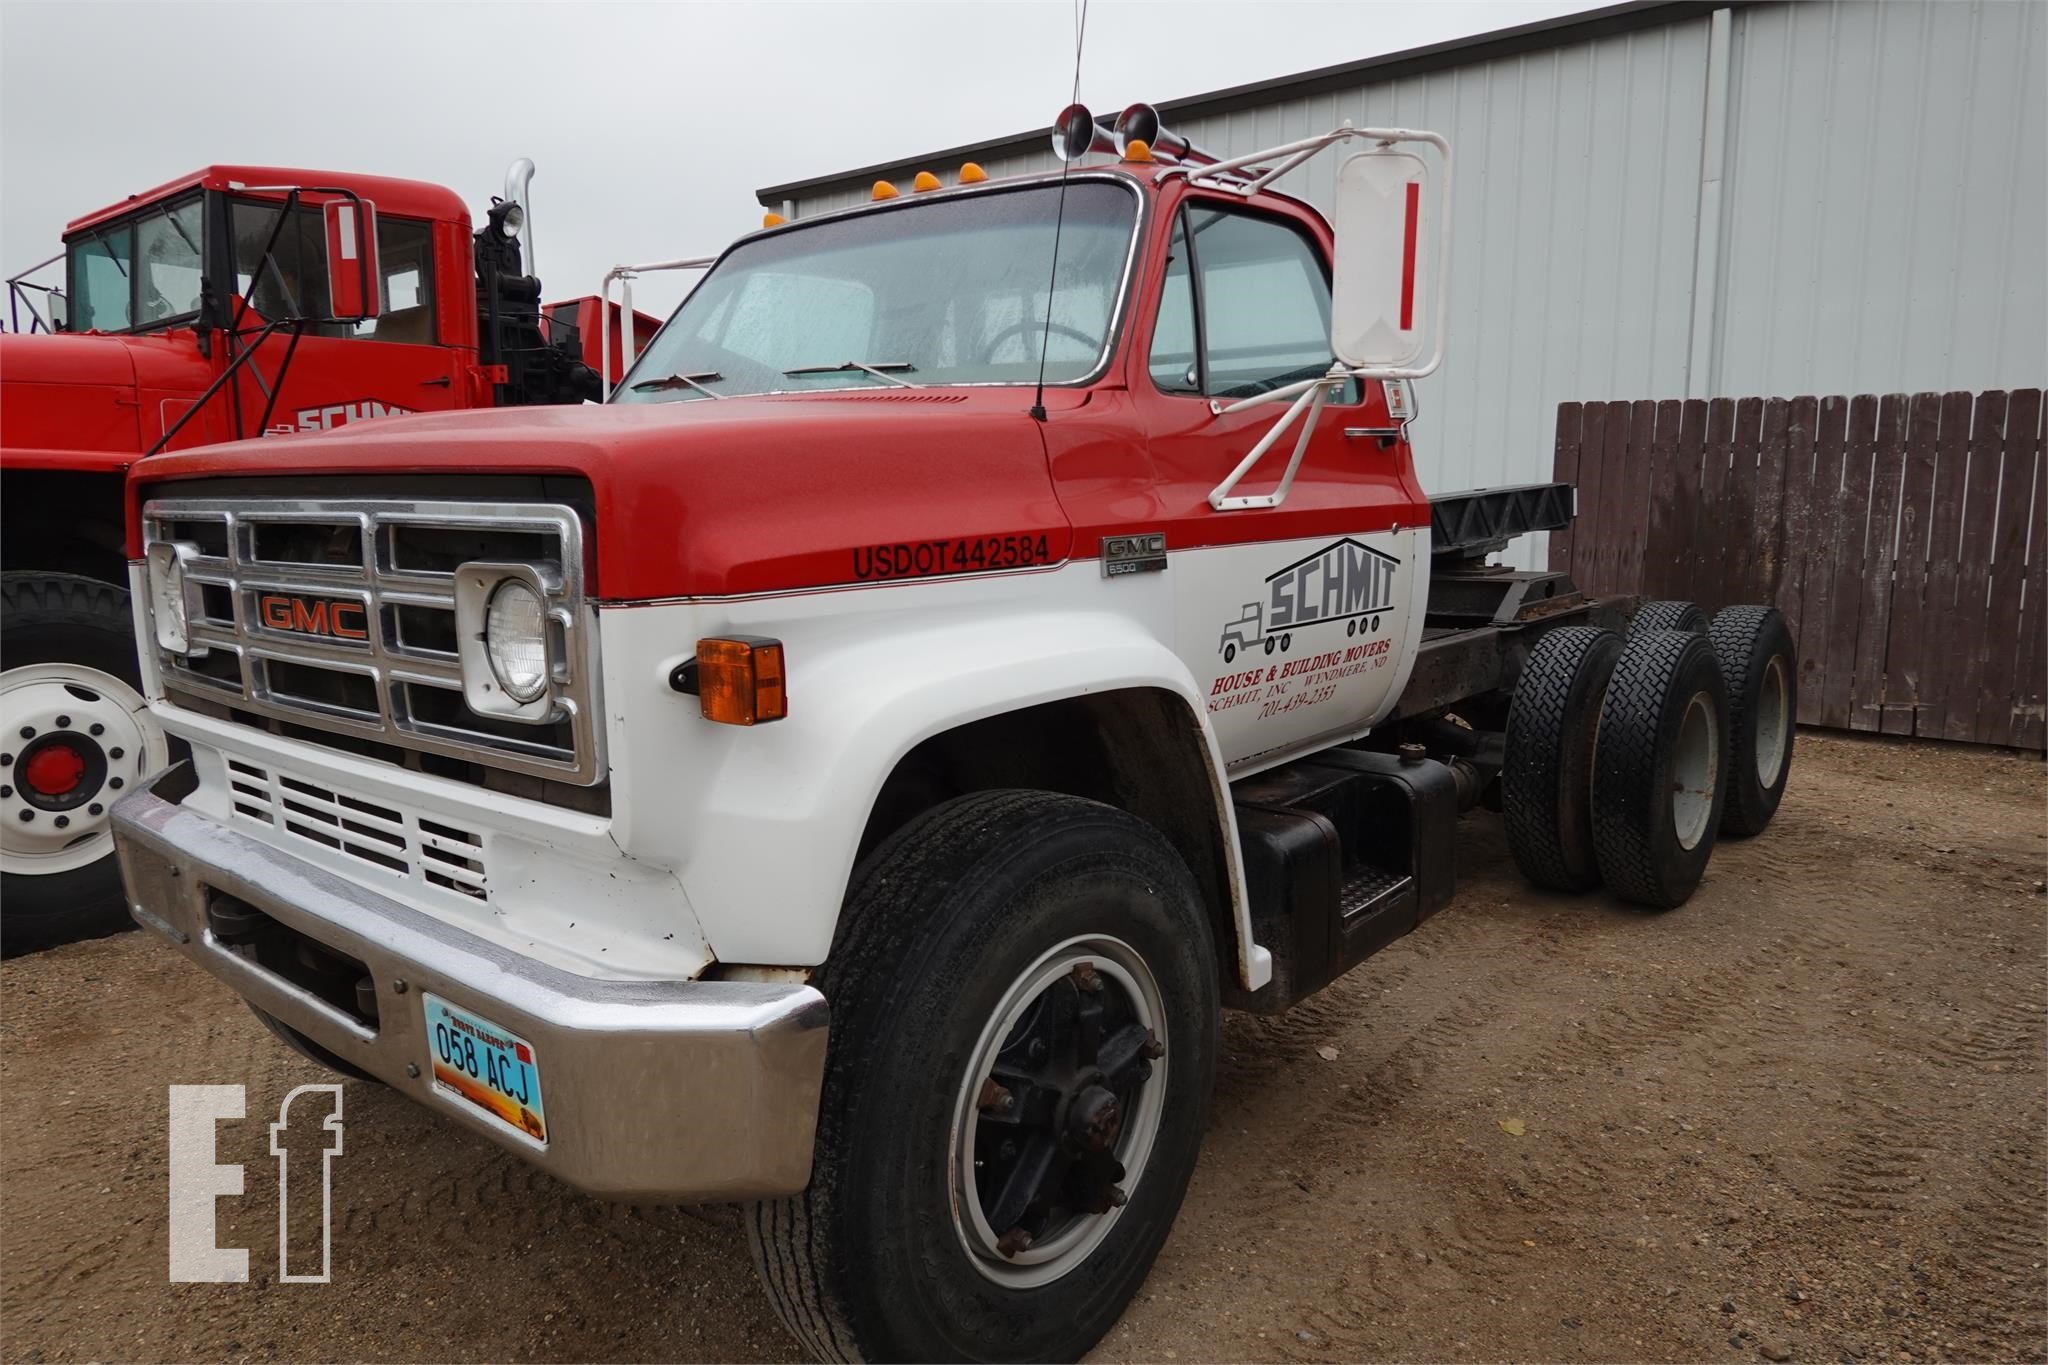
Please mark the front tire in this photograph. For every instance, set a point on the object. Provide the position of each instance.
(75, 734)
(1024, 1014)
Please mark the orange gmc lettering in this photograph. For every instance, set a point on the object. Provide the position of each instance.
(343, 620)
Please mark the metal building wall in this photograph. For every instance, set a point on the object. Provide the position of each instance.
(1886, 221)
(1878, 218)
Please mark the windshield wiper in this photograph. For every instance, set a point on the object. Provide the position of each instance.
(695, 381)
(877, 370)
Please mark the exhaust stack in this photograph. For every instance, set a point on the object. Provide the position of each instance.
(518, 182)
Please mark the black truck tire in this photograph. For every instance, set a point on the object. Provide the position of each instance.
(1546, 780)
(1660, 768)
(1686, 616)
(1761, 663)
(70, 703)
(940, 969)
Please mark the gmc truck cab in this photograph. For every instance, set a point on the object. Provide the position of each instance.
(849, 771)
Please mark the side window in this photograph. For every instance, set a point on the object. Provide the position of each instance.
(405, 261)
(1173, 335)
(100, 266)
(1259, 304)
(168, 264)
(292, 283)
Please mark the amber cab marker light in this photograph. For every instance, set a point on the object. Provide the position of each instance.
(739, 680)
(1137, 149)
(925, 181)
(769, 220)
(882, 190)
(972, 174)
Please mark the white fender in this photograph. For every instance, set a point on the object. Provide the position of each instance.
(761, 823)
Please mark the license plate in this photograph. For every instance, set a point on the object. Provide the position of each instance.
(490, 1066)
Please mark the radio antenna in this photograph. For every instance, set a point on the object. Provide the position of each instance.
(1059, 217)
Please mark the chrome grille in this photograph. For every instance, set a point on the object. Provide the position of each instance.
(275, 581)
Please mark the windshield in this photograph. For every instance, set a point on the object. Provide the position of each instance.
(947, 292)
(142, 273)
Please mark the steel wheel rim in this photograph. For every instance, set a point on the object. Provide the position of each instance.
(1068, 1241)
(35, 698)
(1773, 723)
(1695, 768)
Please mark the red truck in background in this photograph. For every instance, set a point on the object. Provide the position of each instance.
(218, 305)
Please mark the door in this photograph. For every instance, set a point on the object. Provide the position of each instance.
(1294, 618)
(339, 372)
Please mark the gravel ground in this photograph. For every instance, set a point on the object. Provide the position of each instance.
(1805, 1117)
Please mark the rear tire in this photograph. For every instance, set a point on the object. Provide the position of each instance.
(1659, 768)
(1761, 663)
(1686, 616)
(1546, 782)
(69, 648)
(945, 924)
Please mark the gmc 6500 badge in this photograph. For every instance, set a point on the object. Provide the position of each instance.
(848, 772)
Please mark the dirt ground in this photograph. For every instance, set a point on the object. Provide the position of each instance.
(1804, 1117)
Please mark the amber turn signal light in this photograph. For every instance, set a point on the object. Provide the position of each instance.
(738, 679)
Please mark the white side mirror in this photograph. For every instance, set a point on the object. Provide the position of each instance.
(1387, 291)
(60, 310)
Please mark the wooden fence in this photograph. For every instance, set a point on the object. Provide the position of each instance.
(1902, 535)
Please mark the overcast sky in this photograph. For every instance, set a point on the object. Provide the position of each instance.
(652, 124)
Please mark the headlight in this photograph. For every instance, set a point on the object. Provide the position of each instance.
(509, 640)
(167, 600)
(515, 640)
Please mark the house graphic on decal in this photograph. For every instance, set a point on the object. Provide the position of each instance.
(1347, 580)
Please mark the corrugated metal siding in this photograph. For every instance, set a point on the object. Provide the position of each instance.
(1886, 221)
(1884, 214)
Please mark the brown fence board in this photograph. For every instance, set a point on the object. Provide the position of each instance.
(1892, 531)
(2026, 717)
(1565, 469)
(1816, 621)
(1952, 675)
(1995, 669)
(1710, 561)
(1670, 518)
(1859, 451)
(1768, 566)
(1905, 634)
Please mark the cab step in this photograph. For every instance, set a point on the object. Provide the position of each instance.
(1344, 852)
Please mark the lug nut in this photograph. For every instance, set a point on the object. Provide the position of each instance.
(97, 729)
(1152, 1049)
(114, 753)
(27, 816)
(63, 822)
(63, 722)
(1086, 977)
(114, 782)
(1412, 753)
(1117, 1197)
(995, 1099)
(1014, 1241)
(6, 760)
(28, 732)
(95, 809)
(6, 792)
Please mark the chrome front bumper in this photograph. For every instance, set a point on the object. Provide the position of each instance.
(655, 1090)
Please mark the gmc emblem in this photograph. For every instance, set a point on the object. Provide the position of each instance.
(337, 620)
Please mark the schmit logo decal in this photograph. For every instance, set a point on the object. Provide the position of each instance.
(1346, 579)
(336, 619)
(328, 416)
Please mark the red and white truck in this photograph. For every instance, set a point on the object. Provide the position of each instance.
(234, 301)
(813, 778)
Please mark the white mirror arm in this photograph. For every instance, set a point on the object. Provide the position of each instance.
(624, 275)
(1294, 153)
(1307, 406)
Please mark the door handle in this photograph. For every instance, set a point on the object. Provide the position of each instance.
(443, 382)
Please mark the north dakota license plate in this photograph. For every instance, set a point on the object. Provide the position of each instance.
(491, 1067)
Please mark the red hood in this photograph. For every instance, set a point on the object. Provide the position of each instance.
(744, 495)
(74, 400)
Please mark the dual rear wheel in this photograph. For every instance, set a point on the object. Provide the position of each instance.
(1627, 758)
